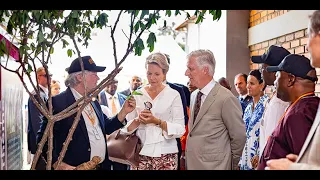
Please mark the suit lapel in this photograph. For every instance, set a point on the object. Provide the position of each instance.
(121, 100)
(206, 104)
(314, 126)
(71, 100)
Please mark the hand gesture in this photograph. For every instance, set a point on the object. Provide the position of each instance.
(129, 105)
(146, 117)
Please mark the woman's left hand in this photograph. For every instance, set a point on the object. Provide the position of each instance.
(146, 117)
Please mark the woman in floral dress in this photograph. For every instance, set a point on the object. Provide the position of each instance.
(252, 118)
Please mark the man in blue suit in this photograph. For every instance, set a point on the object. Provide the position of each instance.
(34, 115)
(114, 101)
(89, 138)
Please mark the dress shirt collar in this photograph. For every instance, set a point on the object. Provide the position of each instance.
(206, 90)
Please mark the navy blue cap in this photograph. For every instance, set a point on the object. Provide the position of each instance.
(295, 64)
(88, 64)
(273, 56)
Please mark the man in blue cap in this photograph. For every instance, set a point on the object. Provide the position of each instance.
(275, 107)
(89, 138)
(295, 83)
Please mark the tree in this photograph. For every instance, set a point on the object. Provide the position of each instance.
(38, 31)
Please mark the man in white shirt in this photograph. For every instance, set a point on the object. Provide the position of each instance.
(217, 133)
(111, 98)
(275, 107)
(34, 115)
(113, 101)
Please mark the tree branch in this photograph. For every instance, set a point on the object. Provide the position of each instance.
(113, 40)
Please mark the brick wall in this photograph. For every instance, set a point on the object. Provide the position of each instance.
(260, 16)
(295, 42)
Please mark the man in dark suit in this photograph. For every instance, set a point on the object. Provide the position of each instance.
(135, 82)
(89, 138)
(34, 115)
(114, 101)
(240, 82)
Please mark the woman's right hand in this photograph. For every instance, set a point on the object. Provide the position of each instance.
(133, 125)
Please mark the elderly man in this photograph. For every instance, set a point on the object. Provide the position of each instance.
(295, 83)
(308, 158)
(216, 130)
(89, 138)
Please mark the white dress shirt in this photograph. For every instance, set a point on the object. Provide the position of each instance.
(106, 110)
(206, 90)
(116, 101)
(46, 91)
(166, 106)
(272, 113)
(95, 134)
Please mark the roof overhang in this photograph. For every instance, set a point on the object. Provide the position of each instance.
(185, 23)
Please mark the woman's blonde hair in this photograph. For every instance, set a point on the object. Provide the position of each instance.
(158, 59)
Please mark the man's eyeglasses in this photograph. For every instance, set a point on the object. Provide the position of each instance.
(45, 75)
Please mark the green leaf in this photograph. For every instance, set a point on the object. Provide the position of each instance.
(103, 19)
(51, 50)
(177, 12)
(74, 14)
(150, 41)
(136, 12)
(168, 13)
(139, 46)
(33, 47)
(153, 20)
(46, 13)
(218, 14)
(40, 37)
(142, 26)
(29, 69)
(69, 52)
(136, 27)
(134, 93)
(21, 50)
(65, 43)
(143, 13)
(3, 47)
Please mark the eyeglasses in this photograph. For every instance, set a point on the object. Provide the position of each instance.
(45, 75)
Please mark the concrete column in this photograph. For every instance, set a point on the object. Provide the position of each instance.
(237, 50)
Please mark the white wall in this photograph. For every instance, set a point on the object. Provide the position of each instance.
(213, 36)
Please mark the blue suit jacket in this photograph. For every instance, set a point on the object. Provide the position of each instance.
(103, 99)
(34, 121)
(183, 98)
(79, 148)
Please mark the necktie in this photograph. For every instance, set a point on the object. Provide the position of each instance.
(114, 107)
(197, 105)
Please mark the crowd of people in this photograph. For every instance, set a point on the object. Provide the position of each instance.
(201, 126)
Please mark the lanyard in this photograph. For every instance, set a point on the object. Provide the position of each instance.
(303, 95)
(90, 115)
